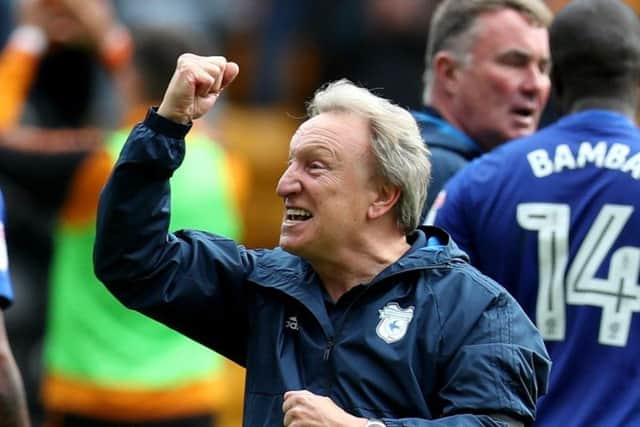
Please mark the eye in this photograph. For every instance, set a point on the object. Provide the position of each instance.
(545, 67)
(316, 165)
(515, 59)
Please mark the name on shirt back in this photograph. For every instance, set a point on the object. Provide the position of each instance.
(602, 154)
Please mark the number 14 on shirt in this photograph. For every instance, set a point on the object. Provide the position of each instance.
(618, 295)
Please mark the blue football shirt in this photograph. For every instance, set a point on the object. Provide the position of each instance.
(553, 218)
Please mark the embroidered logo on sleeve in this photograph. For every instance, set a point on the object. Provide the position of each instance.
(394, 322)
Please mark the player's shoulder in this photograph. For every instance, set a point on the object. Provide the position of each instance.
(503, 160)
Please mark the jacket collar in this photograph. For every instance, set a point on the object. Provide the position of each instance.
(294, 276)
(437, 132)
(290, 273)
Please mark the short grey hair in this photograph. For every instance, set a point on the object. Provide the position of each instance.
(398, 148)
(452, 28)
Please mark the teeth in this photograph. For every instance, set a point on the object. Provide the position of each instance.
(298, 212)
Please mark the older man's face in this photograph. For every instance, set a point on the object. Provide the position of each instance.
(502, 89)
(327, 186)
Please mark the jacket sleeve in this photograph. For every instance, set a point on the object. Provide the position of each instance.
(462, 420)
(493, 359)
(191, 281)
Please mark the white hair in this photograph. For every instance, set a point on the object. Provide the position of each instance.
(400, 152)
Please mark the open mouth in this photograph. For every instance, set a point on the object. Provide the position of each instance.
(298, 215)
(524, 113)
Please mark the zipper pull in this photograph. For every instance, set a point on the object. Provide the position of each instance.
(327, 351)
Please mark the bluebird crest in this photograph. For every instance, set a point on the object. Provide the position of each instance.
(394, 322)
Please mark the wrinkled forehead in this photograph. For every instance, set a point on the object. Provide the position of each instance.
(508, 27)
(339, 129)
(307, 127)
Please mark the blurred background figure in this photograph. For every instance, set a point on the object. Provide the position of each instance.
(103, 364)
(34, 186)
(376, 43)
(486, 80)
(95, 373)
(5, 21)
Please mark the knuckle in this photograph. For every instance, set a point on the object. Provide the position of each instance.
(183, 58)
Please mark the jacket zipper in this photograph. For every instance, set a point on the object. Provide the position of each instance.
(331, 340)
(327, 350)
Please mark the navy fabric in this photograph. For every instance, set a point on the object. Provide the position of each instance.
(450, 148)
(467, 351)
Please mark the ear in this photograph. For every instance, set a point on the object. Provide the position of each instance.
(387, 197)
(445, 70)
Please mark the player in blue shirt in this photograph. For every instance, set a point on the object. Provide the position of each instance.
(13, 409)
(552, 217)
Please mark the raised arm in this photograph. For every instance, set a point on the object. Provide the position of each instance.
(190, 280)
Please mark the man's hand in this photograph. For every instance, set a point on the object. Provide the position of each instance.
(195, 86)
(303, 408)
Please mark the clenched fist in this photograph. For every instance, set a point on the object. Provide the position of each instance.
(305, 409)
(195, 86)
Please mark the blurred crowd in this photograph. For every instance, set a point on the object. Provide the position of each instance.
(73, 83)
(71, 90)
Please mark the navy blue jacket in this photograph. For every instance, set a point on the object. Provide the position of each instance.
(451, 150)
(428, 338)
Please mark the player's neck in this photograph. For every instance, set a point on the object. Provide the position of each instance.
(621, 106)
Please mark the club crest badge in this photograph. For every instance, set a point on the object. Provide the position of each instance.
(394, 322)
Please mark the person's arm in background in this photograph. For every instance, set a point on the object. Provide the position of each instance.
(97, 22)
(19, 62)
(43, 24)
(40, 161)
(13, 402)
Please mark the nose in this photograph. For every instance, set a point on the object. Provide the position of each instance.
(288, 184)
